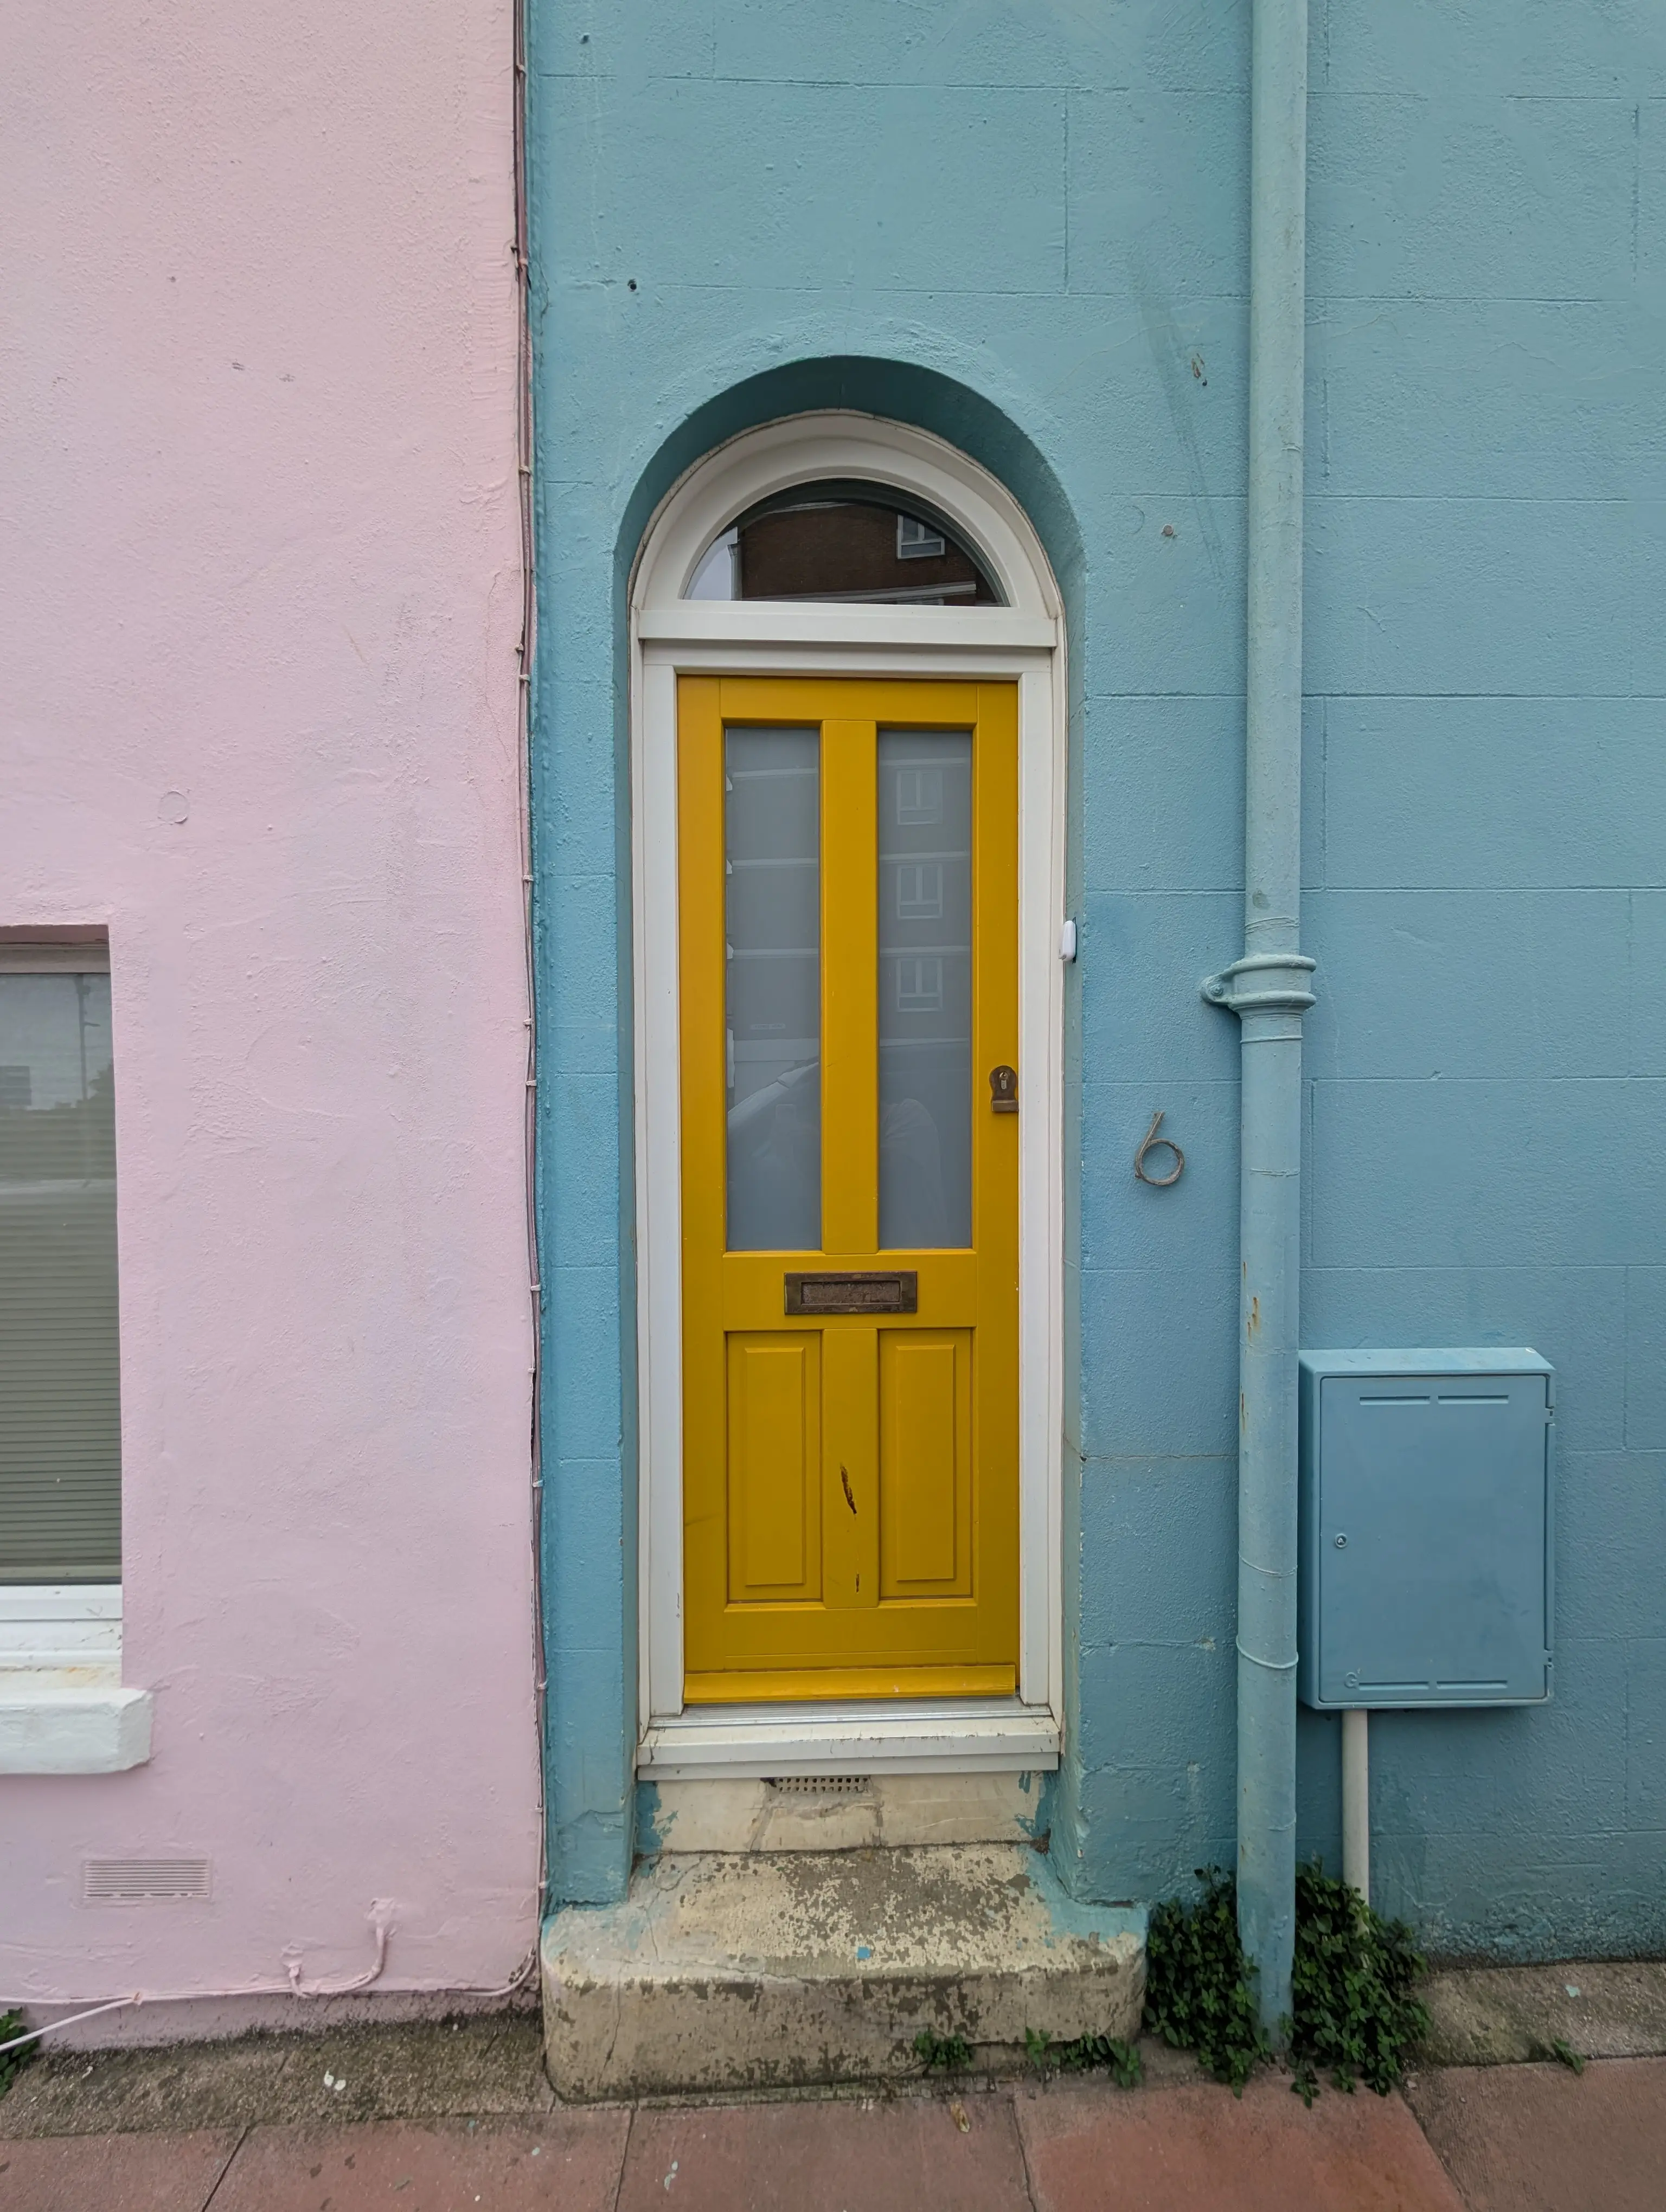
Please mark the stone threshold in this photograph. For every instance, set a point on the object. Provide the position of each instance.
(724, 1972)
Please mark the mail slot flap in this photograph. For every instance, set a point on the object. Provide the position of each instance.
(890, 1290)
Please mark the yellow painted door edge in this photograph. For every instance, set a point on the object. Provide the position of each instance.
(851, 1631)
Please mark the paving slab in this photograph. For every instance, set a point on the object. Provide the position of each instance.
(781, 1969)
(114, 2173)
(569, 2163)
(1202, 2149)
(1544, 2139)
(1501, 2015)
(428, 2070)
(915, 2155)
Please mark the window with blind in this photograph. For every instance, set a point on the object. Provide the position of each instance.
(60, 1431)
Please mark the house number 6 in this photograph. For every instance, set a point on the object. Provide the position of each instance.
(1153, 1143)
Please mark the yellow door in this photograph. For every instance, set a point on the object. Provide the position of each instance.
(848, 873)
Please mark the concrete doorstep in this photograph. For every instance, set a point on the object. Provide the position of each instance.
(725, 1971)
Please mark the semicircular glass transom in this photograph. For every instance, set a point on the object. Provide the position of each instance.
(846, 543)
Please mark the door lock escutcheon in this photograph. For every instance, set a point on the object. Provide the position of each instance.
(1003, 1090)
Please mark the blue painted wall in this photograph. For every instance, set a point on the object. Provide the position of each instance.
(1023, 223)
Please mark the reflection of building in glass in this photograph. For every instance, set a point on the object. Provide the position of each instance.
(54, 1037)
(924, 988)
(772, 893)
(919, 890)
(836, 547)
(919, 796)
(919, 984)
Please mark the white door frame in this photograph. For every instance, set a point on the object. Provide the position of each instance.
(1023, 640)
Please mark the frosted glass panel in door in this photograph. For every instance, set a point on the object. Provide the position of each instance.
(772, 911)
(924, 988)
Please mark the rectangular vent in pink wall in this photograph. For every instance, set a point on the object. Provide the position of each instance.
(144, 1881)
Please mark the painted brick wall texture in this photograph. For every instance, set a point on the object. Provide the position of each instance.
(1025, 225)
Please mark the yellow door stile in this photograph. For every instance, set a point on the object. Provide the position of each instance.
(995, 1035)
(701, 1016)
(850, 965)
(850, 1153)
(850, 1478)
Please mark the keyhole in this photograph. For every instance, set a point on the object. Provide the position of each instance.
(1003, 1090)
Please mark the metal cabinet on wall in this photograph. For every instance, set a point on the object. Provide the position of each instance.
(1426, 1542)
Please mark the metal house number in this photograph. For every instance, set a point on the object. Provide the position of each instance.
(1167, 1149)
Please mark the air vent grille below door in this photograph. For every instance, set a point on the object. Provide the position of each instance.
(819, 1785)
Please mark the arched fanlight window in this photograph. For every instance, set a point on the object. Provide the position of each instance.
(853, 542)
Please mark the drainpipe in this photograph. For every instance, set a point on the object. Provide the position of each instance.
(1267, 989)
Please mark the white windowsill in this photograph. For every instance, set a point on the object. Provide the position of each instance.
(62, 1707)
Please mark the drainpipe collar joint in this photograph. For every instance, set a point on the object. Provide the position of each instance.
(1263, 982)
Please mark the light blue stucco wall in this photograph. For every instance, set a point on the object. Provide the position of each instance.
(1023, 223)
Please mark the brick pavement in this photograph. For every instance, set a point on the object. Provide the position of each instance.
(1512, 2139)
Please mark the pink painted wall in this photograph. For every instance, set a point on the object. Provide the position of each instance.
(259, 545)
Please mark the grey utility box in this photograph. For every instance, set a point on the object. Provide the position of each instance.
(1425, 1528)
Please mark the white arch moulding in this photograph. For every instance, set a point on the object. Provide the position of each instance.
(1023, 640)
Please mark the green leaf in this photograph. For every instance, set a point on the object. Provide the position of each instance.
(1353, 2011)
